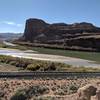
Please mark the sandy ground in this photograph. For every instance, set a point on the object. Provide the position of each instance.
(8, 68)
(34, 55)
(10, 86)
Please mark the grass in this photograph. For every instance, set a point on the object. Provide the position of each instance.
(94, 56)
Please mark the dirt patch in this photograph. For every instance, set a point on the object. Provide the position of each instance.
(63, 89)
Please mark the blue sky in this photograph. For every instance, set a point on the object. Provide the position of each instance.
(13, 13)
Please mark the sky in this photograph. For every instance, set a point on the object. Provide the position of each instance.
(13, 13)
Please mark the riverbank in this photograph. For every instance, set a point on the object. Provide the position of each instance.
(92, 56)
(87, 55)
(42, 65)
(74, 58)
(47, 57)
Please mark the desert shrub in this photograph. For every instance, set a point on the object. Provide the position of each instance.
(73, 88)
(59, 92)
(26, 63)
(4, 46)
(45, 98)
(60, 89)
(19, 95)
(18, 62)
(6, 59)
(64, 88)
(33, 67)
(53, 88)
(44, 66)
(49, 66)
(37, 90)
(25, 94)
(2, 93)
(21, 64)
(12, 62)
(52, 66)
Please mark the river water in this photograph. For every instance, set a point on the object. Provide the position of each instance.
(35, 55)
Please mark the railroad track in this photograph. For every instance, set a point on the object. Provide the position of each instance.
(53, 74)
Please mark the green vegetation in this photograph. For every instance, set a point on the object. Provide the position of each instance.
(37, 65)
(19, 95)
(36, 92)
(73, 88)
(2, 45)
(32, 65)
(65, 89)
(25, 94)
(94, 56)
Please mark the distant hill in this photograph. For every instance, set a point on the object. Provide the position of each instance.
(10, 36)
(78, 36)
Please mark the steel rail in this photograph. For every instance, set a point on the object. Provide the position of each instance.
(51, 74)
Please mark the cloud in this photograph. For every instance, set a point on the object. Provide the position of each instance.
(19, 25)
(12, 23)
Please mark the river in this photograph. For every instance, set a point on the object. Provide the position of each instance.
(8, 43)
(35, 55)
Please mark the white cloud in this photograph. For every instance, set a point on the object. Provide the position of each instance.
(12, 23)
(19, 25)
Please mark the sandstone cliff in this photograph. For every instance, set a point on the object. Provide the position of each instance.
(81, 36)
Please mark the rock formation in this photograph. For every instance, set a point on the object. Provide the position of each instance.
(89, 92)
(97, 97)
(86, 92)
(33, 28)
(82, 36)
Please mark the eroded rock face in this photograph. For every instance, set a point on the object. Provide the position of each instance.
(81, 35)
(86, 92)
(33, 28)
(97, 97)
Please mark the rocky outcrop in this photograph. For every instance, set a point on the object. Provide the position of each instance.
(86, 92)
(97, 97)
(89, 92)
(33, 29)
(82, 36)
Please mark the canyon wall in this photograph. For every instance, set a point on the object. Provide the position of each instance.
(82, 36)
